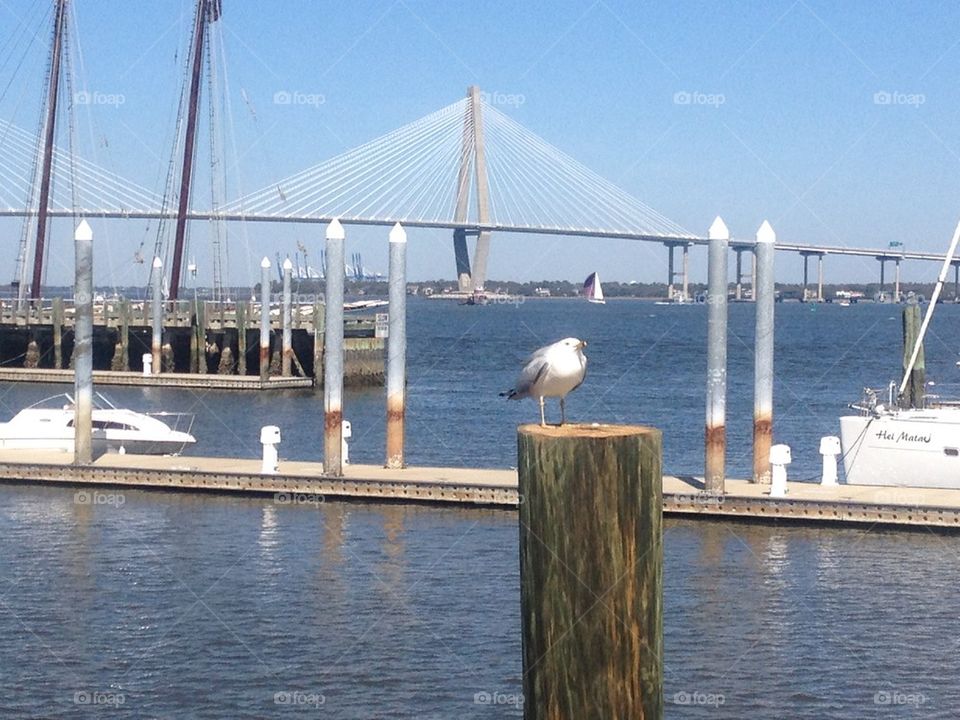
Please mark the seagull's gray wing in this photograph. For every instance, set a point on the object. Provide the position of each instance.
(535, 369)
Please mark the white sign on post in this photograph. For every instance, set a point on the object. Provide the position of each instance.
(382, 328)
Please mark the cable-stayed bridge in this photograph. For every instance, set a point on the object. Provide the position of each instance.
(467, 168)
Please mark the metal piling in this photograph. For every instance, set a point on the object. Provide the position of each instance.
(715, 437)
(333, 352)
(287, 356)
(264, 319)
(156, 309)
(397, 348)
(83, 348)
(764, 295)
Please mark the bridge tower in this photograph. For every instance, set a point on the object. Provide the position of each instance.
(472, 157)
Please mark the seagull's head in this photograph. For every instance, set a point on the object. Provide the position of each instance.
(574, 343)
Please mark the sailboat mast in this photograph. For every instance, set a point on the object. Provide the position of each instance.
(206, 10)
(49, 135)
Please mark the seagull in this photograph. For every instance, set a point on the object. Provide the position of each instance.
(552, 371)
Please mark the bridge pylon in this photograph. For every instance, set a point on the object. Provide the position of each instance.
(472, 158)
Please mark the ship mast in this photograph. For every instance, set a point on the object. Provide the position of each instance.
(59, 23)
(207, 11)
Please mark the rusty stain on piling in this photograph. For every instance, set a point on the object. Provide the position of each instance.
(332, 420)
(396, 414)
(762, 440)
(716, 446)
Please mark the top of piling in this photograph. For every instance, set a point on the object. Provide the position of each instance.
(83, 231)
(718, 230)
(584, 430)
(335, 230)
(766, 234)
(398, 234)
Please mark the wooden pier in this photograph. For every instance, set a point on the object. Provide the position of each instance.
(209, 343)
(304, 482)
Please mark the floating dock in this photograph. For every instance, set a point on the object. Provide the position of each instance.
(305, 483)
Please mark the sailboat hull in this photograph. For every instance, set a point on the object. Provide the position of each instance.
(905, 448)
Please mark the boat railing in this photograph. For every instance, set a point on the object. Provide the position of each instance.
(176, 421)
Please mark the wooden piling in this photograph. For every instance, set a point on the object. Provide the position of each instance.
(241, 312)
(125, 334)
(913, 393)
(58, 333)
(591, 571)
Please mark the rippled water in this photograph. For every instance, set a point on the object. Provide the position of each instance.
(150, 604)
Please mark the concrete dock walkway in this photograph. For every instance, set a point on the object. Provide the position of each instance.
(305, 482)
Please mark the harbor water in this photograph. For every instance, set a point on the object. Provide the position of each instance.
(155, 604)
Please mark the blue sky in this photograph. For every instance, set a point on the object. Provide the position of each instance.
(838, 123)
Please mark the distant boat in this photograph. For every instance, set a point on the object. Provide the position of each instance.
(592, 290)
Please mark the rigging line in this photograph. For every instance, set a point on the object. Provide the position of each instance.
(359, 170)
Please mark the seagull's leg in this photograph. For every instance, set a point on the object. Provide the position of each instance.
(543, 418)
(563, 411)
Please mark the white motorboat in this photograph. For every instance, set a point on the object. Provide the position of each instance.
(907, 447)
(886, 445)
(48, 425)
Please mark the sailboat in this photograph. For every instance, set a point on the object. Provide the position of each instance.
(592, 290)
(905, 446)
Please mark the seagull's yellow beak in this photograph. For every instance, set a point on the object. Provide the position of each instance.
(582, 345)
